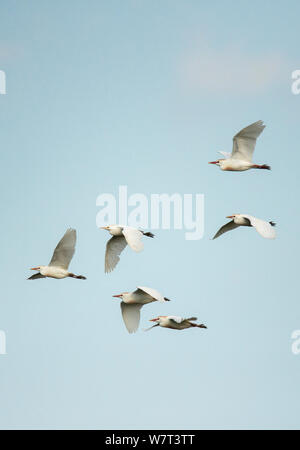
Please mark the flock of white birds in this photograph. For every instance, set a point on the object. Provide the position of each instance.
(240, 159)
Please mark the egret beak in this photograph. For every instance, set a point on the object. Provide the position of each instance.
(213, 162)
(35, 268)
(153, 320)
(118, 296)
(229, 217)
(103, 228)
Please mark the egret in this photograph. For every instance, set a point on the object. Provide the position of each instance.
(62, 255)
(121, 236)
(265, 229)
(175, 322)
(132, 303)
(240, 159)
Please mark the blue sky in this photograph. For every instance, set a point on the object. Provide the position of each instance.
(144, 94)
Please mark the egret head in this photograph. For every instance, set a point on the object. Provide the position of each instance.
(157, 319)
(217, 162)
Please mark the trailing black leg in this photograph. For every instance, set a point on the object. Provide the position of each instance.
(79, 277)
(148, 234)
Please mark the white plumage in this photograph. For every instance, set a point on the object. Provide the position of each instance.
(265, 229)
(121, 236)
(175, 322)
(132, 303)
(61, 258)
(240, 159)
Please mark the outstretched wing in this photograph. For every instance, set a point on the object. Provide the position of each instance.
(176, 319)
(64, 250)
(152, 292)
(227, 227)
(36, 276)
(150, 328)
(133, 238)
(244, 141)
(264, 228)
(225, 154)
(131, 316)
(114, 248)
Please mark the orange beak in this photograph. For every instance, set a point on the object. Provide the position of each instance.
(153, 320)
(229, 217)
(35, 268)
(118, 296)
(213, 162)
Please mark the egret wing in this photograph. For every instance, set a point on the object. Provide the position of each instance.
(264, 228)
(152, 292)
(225, 154)
(131, 316)
(176, 319)
(114, 248)
(244, 141)
(153, 326)
(133, 238)
(64, 250)
(227, 227)
(36, 276)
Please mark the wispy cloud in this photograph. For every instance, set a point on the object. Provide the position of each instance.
(231, 70)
